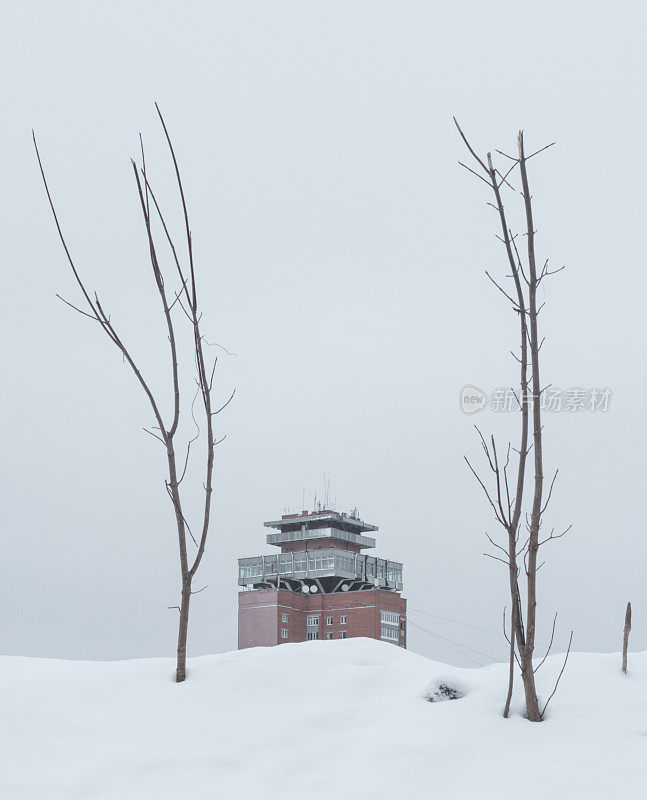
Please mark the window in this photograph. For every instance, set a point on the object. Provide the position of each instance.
(390, 628)
(312, 635)
(284, 633)
(312, 621)
(345, 563)
(320, 562)
(329, 636)
(390, 633)
(284, 617)
(328, 620)
(342, 620)
(251, 570)
(394, 573)
(342, 635)
(285, 564)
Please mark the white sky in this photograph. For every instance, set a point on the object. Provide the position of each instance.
(340, 252)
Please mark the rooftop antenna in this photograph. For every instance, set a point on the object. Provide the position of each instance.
(303, 500)
(328, 503)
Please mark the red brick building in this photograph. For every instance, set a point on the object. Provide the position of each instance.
(320, 586)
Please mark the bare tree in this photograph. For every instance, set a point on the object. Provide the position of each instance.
(625, 637)
(504, 494)
(183, 304)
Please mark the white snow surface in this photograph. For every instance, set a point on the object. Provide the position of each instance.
(330, 719)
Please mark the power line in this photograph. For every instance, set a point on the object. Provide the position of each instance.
(455, 649)
(457, 646)
(458, 622)
(498, 634)
(495, 639)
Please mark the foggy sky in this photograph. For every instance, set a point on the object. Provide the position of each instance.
(341, 254)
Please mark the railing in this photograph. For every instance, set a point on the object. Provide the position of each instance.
(320, 533)
(320, 563)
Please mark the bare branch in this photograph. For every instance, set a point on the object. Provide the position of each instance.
(179, 511)
(469, 147)
(480, 177)
(515, 306)
(171, 244)
(541, 150)
(487, 494)
(495, 558)
(505, 155)
(60, 232)
(551, 537)
(504, 178)
(215, 344)
(550, 644)
(507, 638)
(559, 677)
(498, 546)
(159, 438)
(194, 303)
(485, 448)
(186, 458)
(552, 483)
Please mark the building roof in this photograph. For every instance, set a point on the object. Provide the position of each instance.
(336, 519)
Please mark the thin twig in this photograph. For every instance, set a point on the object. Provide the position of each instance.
(559, 676)
(550, 644)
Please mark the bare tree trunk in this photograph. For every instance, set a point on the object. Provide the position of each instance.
(511, 520)
(507, 509)
(186, 300)
(527, 672)
(180, 671)
(508, 699)
(625, 637)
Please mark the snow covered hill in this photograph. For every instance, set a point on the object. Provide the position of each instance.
(334, 720)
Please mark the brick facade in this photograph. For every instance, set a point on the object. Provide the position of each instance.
(260, 615)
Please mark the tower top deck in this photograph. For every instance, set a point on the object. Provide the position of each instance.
(321, 524)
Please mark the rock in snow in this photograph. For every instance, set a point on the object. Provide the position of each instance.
(334, 720)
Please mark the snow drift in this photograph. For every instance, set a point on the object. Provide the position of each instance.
(340, 719)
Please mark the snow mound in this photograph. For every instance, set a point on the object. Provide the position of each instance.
(340, 719)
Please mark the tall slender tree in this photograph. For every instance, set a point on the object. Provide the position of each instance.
(504, 493)
(181, 310)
